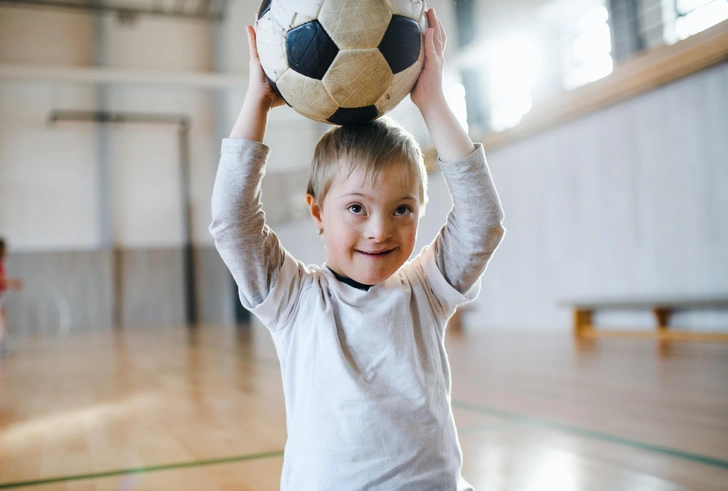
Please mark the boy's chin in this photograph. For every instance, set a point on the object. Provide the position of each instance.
(371, 278)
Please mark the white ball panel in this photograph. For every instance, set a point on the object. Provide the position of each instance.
(301, 19)
(308, 8)
(355, 24)
(270, 39)
(307, 96)
(414, 9)
(424, 24)
(284, 12)
(358, 78)
(401, 86)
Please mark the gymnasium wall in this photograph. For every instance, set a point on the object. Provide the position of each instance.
(628, 201)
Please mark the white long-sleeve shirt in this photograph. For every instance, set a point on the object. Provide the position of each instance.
(365, 373)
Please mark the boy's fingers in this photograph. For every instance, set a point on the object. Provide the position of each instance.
(439, 36)
(252, 42)
(432, 18)
(430, 41)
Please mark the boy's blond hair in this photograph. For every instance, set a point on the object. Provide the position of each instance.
(368, 148)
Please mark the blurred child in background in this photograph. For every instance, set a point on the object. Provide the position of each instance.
(5, 285)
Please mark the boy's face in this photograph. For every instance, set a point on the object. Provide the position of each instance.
(369, 228)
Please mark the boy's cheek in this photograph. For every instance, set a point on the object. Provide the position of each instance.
(350, 220)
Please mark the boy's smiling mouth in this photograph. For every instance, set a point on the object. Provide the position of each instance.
(381, 253)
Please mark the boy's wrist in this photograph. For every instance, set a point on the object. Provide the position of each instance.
(253, 118)
(433, 106)
(257, 103)
(450, 139)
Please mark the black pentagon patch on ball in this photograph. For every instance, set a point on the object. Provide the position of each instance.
(310, 50)
(354, 115)
(264, 7)
(401, 43)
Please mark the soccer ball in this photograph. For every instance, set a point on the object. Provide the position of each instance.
(342, 61)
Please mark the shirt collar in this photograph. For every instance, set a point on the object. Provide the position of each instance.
(349, 281)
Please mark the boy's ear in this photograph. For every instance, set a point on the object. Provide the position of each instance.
(316, 212)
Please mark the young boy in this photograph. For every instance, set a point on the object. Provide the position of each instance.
(361, 339)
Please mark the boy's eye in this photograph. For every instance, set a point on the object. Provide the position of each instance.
(356, 209)
(403, 210)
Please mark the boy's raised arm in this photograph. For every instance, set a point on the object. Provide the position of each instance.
(473, 229)
(248, 246)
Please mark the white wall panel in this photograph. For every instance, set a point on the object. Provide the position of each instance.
(147, 205)
(292, 139)
(158, 43)
(47, 176)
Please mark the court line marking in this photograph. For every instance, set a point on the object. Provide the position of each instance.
(514, 418)
(499, 425)
(139, 470)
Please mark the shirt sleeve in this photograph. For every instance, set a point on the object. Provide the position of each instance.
(474, 228)
(249, 248)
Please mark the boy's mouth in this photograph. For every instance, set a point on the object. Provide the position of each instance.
(381, 253)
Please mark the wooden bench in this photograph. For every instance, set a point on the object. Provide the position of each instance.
(662, 309)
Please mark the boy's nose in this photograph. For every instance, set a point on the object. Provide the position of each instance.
(379, 229)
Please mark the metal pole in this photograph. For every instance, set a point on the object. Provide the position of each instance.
(124, 11)
(189, 253)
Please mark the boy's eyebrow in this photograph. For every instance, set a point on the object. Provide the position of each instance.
(363, 195)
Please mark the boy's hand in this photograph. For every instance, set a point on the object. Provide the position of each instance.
(259, 100)
(429, 85)
(258, 86)
(450, 139)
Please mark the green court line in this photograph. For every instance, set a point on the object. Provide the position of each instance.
(486, 427)
(595, 435)
(139, 470)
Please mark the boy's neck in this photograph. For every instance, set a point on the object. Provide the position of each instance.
(350, 282)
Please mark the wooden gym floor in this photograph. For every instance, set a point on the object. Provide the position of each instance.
(172, 409)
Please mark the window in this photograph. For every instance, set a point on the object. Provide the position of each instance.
(514, 65)
(587, 45)
(694, 16)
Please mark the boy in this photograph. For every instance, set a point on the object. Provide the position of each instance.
(361, 340)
